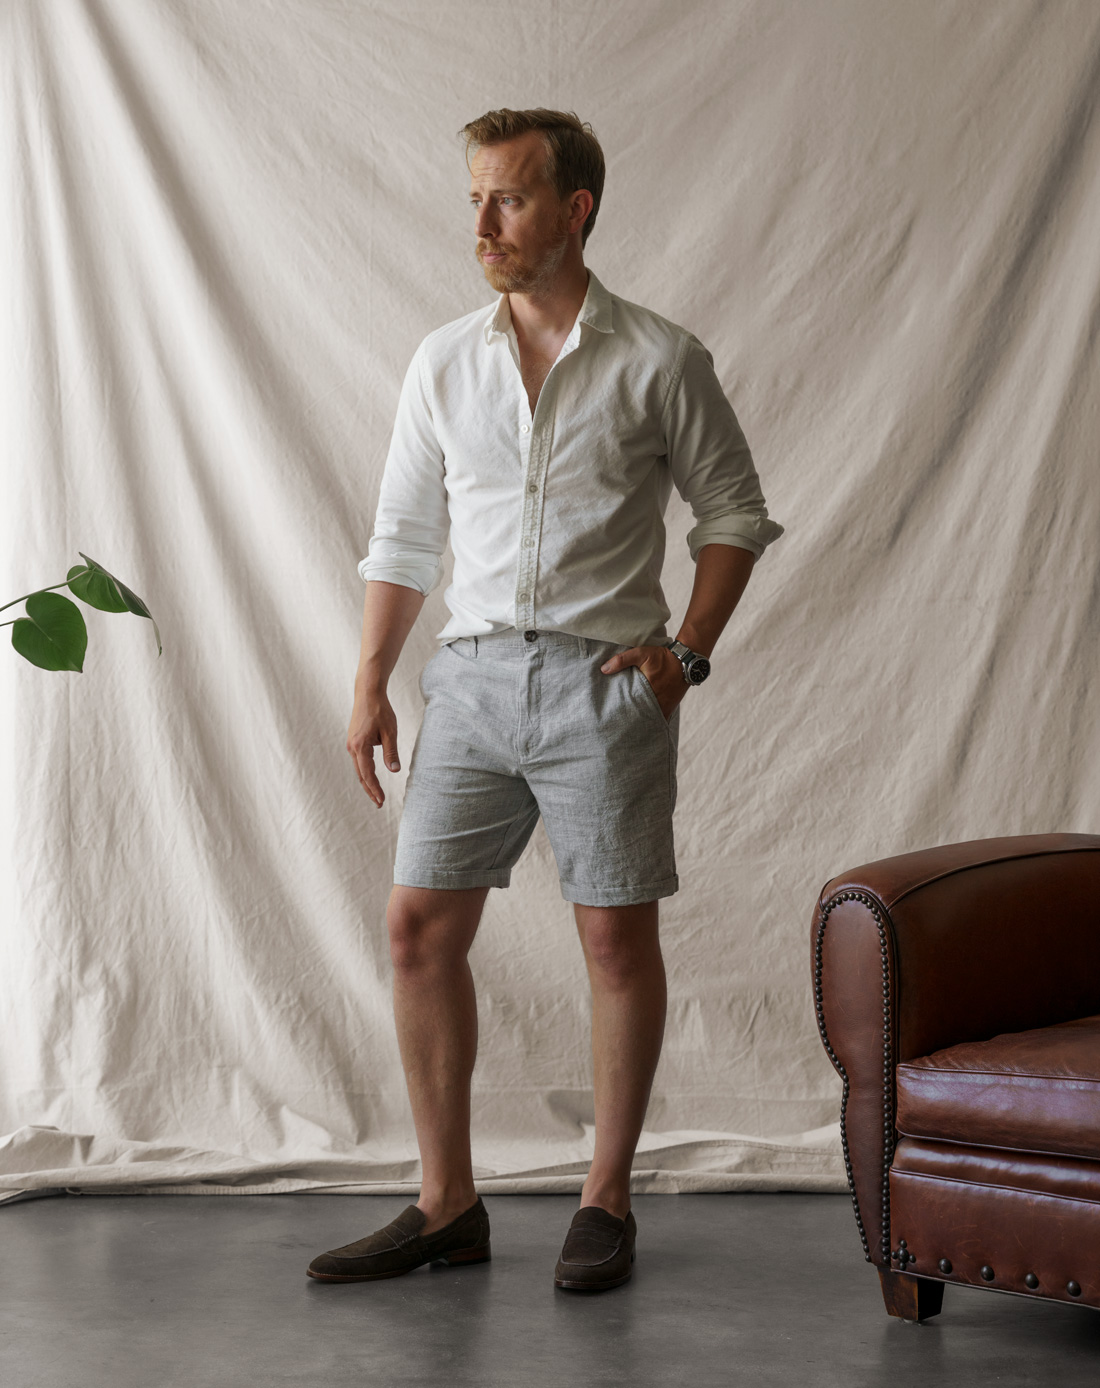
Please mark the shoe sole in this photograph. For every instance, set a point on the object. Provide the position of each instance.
(569, 1286)
(461, 1257)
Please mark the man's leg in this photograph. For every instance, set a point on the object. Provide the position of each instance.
(431, 931)
(627, 976)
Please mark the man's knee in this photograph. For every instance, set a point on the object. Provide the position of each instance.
(431, 928)
(621, 945)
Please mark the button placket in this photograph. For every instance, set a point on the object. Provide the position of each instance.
(525, 579)
(528, 548)
(535, 454)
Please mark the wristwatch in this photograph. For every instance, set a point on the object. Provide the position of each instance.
(696, 667)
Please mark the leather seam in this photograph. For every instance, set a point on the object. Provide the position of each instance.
(995, 1147)
(914, 1069)
(987, 1185)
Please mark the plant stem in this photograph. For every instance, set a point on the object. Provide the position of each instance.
(31, 595)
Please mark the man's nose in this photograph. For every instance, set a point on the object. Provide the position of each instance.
(486, 223)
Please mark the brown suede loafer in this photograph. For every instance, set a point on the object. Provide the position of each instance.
(400, 1247)
(598, 1251)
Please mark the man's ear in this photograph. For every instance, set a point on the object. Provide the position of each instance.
(580, 205)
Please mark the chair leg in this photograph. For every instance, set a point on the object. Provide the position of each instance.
(911, 1298)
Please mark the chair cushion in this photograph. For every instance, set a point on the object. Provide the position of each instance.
(1025, 1091)
(1074, 1178)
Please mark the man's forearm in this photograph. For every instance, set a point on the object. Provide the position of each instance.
(389, 611)
(721, 574)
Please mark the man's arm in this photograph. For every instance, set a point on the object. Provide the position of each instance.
(403, 565)
(389, 611)
(710, 460)
(722, 573)
(713, 470)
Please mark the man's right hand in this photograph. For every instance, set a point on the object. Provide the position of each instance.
(373, 722)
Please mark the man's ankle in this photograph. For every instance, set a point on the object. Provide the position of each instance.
(616, 1202)
(441, 1208)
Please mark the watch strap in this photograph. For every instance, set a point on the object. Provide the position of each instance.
(688, 658)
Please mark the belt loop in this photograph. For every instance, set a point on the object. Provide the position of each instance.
(475, 645)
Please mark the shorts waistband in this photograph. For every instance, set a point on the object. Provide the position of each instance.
(513, 644)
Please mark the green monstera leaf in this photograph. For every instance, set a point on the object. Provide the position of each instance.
(98, 587)
(52, 635)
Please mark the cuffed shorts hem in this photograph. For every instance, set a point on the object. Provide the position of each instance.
(439, 877)
(583, 894)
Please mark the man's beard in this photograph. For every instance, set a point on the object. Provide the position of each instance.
(516, 276)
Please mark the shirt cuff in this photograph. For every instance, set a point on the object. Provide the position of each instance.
(410, 572)
(753, 533)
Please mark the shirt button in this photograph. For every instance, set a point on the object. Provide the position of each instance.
(530, 540)
(533, 487)
(524, 429)
(523, 597)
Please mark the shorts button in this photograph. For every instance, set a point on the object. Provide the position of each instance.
(530, 635)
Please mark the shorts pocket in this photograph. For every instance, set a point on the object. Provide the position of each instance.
(650, 695)
(465, 647)
(424, 675)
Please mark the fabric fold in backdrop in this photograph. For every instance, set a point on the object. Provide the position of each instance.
(224, 238)
(666, 1163)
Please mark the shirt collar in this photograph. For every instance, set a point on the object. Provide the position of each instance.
(596, 311)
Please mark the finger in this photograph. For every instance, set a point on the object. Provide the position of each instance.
(389, 750)
(660, 658)
(628, 657)
(364, 764)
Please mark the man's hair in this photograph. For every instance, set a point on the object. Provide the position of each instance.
(574, 158)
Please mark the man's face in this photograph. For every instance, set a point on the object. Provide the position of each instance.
(520, 222)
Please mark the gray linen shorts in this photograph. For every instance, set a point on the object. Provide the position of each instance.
(516, 727)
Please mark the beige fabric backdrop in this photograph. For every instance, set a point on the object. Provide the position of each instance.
(225, 229)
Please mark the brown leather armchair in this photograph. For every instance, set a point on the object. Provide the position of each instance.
(957, 993)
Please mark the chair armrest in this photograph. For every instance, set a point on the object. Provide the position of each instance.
(929, 949)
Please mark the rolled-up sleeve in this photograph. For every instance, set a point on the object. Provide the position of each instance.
(711, 464)
(411, 523)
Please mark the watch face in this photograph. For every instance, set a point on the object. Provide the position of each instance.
(699, 670)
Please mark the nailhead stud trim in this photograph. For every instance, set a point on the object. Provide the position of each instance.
(902, 1256)
(889, 1135)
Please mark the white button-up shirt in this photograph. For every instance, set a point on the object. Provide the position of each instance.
(556, 520)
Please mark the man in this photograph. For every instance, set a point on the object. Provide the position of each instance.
(542, 437)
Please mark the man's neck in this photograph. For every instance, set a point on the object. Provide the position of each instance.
(552, 313)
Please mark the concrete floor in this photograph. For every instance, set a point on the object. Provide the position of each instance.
(159, 1291)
